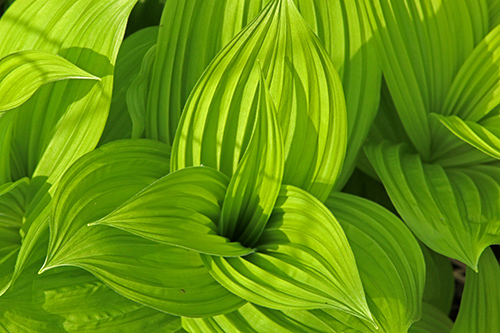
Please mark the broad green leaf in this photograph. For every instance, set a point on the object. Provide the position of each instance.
(180, 209)
(23, 73)
(216, 123)
(72, 300)
(485, 137)
(63, 120)
(12, 206)
(450, 210)
(251, 318)
(256, 183)
(137, 94)
(164, 277)
(200, 26)
(433, 321)
(303, 261)
(389, 259)
(128, 66)
(439, 280)
(481, 298)
(422, 44)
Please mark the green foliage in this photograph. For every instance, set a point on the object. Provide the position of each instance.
(186, 173)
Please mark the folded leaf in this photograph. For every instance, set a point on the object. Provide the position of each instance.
(432, 321)
(484, 138)
(481, 298)
(23, 73)
(200, 26)
(439, 281)
(217, 121)
(449, 210)
(389, 259)
(72, 300)
(303, 261)
(128, 66)
(255, 185)
(164, 277)
(64, 120)
(180, 209)
(422, 44)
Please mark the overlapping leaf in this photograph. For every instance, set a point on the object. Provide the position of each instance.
(23, 73)
(128, 67)
(494, 13)
(303, 261)
(72, 300)
(422, 44)
(164, 277)
(389, 259)
(255, 185)
(481, 298)
(64, 120)
(303, 84)
(450, 210)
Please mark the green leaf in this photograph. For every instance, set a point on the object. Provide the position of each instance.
(422, 44)
(217, 121)
(433, 321)
(128, 67)
(450, 210)
(485, 138)
(6, 124)
(439, 280)
(481, 298)
(23, 73)
(64, 120)
(180, 209)
(389, 259)
(303, 261)
(200, 26)
(72, 300)
(256, 183)
(255, 319)
(168, 278)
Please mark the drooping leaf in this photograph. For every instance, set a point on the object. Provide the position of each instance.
(64, 120)
(128, 66)
(433, 321)
(450, 210)
(255, 185)
(23, 73)
(216, 123)
(481, 298)
(180, 209)
(390, 263)
(303, 261)
(439, 280)
(164, 277)
(72, 300)
(422, 44)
